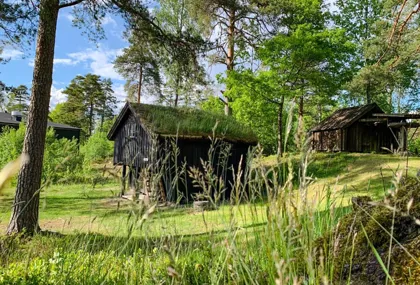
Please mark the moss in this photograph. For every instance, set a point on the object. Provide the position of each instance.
(350, 252)
(186, 121)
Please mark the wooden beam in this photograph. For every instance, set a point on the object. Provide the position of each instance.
(123, 179)
(405, 116)
(403, 124)
(373, 120)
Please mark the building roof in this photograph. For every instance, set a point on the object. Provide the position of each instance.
(185, 123)
(7, 119)
(343, 118)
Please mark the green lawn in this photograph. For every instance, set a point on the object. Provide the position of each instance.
(79, 207)
(83, 208)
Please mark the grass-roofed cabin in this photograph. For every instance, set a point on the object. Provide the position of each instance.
(145, 136)
(363, 129)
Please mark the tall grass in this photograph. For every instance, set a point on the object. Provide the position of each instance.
(267, 234)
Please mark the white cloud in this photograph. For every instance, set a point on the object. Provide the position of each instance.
(64, 61)
(31, 62)
(108, 20)
(11, 54)
(99, 60)
(69, 17)
(57, 96)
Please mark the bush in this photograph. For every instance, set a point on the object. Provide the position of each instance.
(97, 148)
(11, 144)
(61, 158)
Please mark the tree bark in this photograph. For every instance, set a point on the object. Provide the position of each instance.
(300, 130)
(177, 82)
(230, 55)
(26, 203)
(91, 117)
(280, 128)
(140, 84)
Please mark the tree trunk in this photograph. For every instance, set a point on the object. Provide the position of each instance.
(300, 131)
(230, 56)
(280, 128)
(91, 117)
(140, 84)
(178, 80)
(26, 203)
(368, 96)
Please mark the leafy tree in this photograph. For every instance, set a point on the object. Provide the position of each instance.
(305, 64)
(139, 66)
(18, 99)
(383, 63)
(235, 25)
(184, 75)
(88, 98)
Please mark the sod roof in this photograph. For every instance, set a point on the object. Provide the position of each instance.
(185, 122)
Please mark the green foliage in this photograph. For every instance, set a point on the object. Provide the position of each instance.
(213, 104)
(140, 61)
(97, 148)
(61, 157)
(88, 98)
(18, 99)
(11, 144)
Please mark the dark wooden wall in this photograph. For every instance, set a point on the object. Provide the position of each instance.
(328, 140)
(364, 137)
(224, 158)
(359, 137)
(132, 143)
(67, 133)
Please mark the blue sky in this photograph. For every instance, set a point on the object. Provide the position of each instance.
(74, 55)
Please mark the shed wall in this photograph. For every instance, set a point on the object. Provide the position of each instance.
(132, 143)
(224, 158)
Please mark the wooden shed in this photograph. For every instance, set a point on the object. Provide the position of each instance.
(363, 129)
(151, 138)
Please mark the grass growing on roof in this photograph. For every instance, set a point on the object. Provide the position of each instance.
(191, 122)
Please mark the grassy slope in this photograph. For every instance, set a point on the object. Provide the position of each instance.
(353, 174)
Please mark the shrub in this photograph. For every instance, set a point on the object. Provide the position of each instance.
(11, 144)
(61, 157)
(97, 148)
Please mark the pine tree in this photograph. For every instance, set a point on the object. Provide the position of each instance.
(18, 99)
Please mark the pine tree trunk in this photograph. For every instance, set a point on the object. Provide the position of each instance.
(26, 203)
(280, 128)
(140, 84)
(177, 89)
(91, 118)
(230, 55)
(300, 131)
